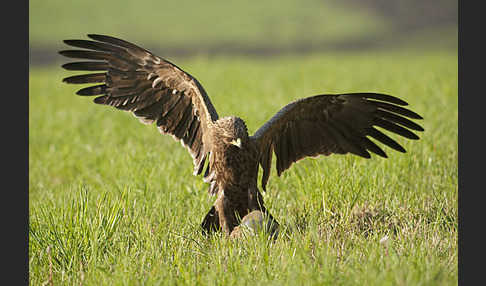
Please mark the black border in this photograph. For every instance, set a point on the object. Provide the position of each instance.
(15, 139)
(471, 111)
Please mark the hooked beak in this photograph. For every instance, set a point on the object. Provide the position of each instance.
(236, 142)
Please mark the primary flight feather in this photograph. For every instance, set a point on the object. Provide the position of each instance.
(155, 90)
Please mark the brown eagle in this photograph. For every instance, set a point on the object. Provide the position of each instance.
(155, 90)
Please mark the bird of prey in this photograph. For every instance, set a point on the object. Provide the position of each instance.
(155, 90)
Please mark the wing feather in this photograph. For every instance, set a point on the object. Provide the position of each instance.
(86, 66)
(333, 124)
(86, 78)
(151, 88)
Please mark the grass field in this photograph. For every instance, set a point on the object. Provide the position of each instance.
(183, 23)
(112, 202)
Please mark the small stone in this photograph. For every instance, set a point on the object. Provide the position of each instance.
(254, 222)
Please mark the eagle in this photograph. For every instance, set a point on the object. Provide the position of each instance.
(131, 78)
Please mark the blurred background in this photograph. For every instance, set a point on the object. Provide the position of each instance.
(183, 28)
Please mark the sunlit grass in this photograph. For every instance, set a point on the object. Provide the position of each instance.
(112, 202)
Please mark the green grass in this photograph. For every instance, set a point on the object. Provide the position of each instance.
(179, 23)
(112, 202)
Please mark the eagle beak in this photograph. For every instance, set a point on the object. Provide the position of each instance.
(236, 142)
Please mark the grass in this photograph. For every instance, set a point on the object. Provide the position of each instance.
(112, 202)
(184, 22)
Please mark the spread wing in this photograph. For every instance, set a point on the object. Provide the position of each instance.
(327, 124)
(133, 79)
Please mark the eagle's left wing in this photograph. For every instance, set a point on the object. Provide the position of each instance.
(332, 123)
(133, 79)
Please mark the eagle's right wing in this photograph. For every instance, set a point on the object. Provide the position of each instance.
(332, 123)
(153, 89)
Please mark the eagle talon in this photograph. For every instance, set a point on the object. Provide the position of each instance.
(210, 223)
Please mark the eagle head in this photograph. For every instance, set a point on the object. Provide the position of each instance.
(232, 130)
